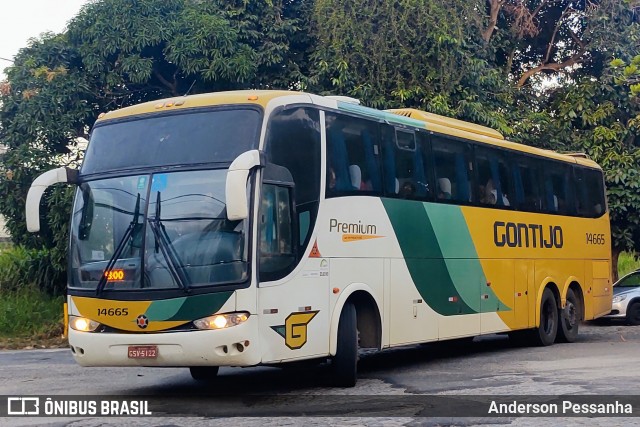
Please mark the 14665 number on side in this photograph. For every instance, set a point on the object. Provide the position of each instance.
(595, 239)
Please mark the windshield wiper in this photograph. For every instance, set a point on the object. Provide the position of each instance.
(121, 244)
(163, 242)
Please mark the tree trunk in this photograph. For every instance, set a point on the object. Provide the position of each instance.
(615, 254)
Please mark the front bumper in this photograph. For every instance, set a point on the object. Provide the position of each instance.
(222, 347)
(618, 310)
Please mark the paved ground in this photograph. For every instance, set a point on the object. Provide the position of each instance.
(603, 362)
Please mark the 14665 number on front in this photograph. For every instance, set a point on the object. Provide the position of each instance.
(113, 312)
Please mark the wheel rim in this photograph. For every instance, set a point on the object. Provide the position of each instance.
(549, 323)
(571, 315)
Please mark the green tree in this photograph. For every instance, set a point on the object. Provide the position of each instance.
(419, 53)
(118, 53)
(596, 110)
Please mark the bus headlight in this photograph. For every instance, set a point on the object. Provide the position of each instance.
(83, 324)
(221, 321)
(619, 298)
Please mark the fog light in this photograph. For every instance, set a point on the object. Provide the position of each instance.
(221, 321)
(83, 324)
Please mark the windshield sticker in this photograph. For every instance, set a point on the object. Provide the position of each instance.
(97, 255)
(142, 182)
(159, 182)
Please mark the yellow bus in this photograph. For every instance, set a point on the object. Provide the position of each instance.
(264, 227)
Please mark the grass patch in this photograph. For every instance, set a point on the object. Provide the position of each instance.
(627, 263)
(30, 313)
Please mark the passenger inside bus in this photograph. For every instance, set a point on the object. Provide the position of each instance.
(408, 190)
(444, 188)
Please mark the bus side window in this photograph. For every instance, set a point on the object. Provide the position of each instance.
(352, 156)
(589, 188)
(403, 163)
(558, 197)
(293, 142)
(277, 255)
(452, 167)
(526, 184)
(494, 179)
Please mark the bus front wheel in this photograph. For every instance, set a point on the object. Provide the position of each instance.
(546, 333)
(345, 363)
(570, 317)
(204, 373)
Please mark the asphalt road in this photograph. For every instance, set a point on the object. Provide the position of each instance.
(604, 361)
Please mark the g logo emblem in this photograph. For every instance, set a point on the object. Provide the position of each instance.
(294, 330)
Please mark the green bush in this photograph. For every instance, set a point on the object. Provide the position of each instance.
(30, 312)
(21, 267)
(627, 263)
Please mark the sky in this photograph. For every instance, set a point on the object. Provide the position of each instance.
(24, 19)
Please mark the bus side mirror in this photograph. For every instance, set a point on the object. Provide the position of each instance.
(236, 184)
(40, 184)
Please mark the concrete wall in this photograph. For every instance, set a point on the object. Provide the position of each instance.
(3, 232)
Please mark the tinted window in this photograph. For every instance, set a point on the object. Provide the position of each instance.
(526, 184)
(453, 166)
(589, 192)
(556, 188)
(630, 281)
(277, 254)
(494, 178)
(405, 163)
(352, 156)
(164, 140)
(293, 142)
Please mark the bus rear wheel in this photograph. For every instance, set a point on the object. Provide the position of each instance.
(570, 317)
(345, 363)
(546, 333)
(204, 373)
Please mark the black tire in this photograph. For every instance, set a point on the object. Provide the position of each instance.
(204, 373)
(570, 317)
(545, 334)
(345, 363)
(633, 314)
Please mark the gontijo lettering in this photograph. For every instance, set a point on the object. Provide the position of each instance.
(520, 235)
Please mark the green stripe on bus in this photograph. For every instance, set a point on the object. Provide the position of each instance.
(423, 257)
(441, 257)
(187, 308)
(461, 257)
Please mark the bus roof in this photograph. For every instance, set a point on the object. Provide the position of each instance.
(258, 97)
(404, 116)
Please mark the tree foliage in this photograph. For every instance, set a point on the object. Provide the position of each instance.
(118, 53)
(421, 53)
(560, 74)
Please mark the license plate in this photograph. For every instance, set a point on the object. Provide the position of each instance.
(143, 351)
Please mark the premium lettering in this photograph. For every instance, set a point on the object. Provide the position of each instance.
(351, 227)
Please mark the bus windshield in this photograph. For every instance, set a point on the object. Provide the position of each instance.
(155, 231)
(187, 137)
